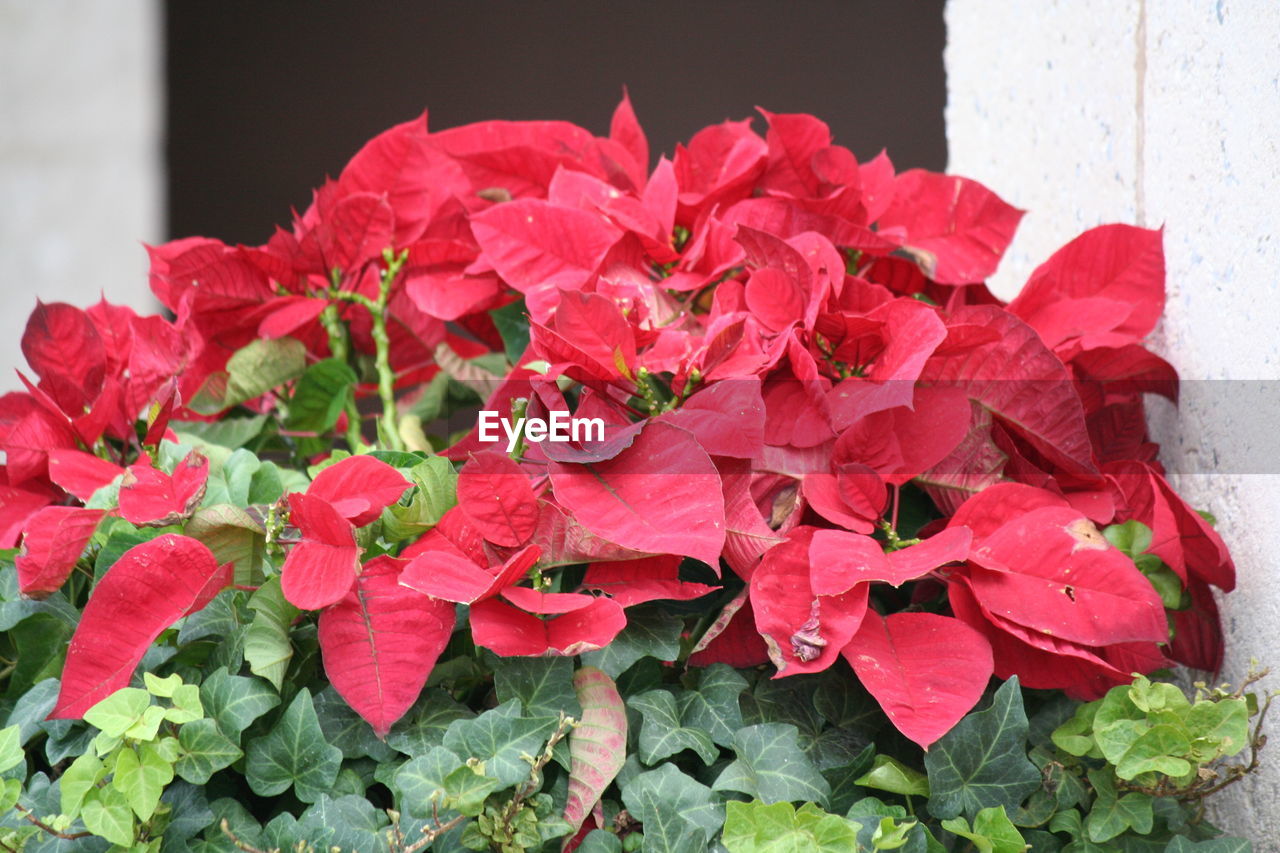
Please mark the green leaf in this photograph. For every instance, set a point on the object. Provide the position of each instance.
(512, 323)
(266, 643)
(1182, 844)
(14, 608)
(33, 708)
(235, 701)
(186, 705)
(147, 725)
(348, 823)
(233, 537)
(1133, 537)
(992, 832)
(1219, 728)
(347, 730)
(161, 687)
(466, 788)
(423, 728)
(39, 644)
(320, 395)
(678, 813)
(294, 753)
(11, 754)
(889, 774)
(651, 631)
(544, 686)
(419, 782)
(206, 750)
(711, 705)
(662, 733)
(1112, 815)
(123, 536)
(141, 777)
(227, 432)
(1159, 750)
(982, 762)
(600, 841)
(106, 813)
(253, 370)
(78, 780)
(437, 483)
(119, 711)
(779, 828)
(499, 737)
(1075, 736)
(772, 767)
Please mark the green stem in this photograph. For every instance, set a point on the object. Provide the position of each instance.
(340, 349)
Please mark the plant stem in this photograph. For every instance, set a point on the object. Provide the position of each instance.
(340, 349)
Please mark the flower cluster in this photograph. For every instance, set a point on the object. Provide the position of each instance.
(820, 424)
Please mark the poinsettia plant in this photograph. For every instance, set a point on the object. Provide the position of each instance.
(824, 478)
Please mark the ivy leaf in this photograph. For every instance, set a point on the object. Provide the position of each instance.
(889, 774)
(235, 701)
(1111, 814)
(106, 812)
(512, 324)
(982, 761)
(423, 728)
(233, 537)
(77, 780)
(1182, 844)
(115, 714)
(678, 813)
(992, 832)
(650, 632)
(419, 783)
(662, 734)
(712, 704)
(353, 822)
(758, 828)
(499, 737)
(772, 767)
(141, 777)
(544, 686)
(266, 643)
(347, 730)
(294, 753)
(597, 745)
(228, 432)
(206, 751)
(466, 788)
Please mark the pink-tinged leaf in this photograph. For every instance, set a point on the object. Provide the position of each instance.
(1052, 571)
(625, 130)
(726, 418)
(597, 327)
(359, 488)
(61, 341)
(149, 588)
(956, 229)
(1121, 265)
(839, 561)
(853, 497)
(926, 670)
(17, 506)
(152, 498)
(54, 540)
(803, 630)
(449, 577)
(535, 246)
(946, 546)
(732, 638)
(380, 642)
(1127, 370)
(449, 297)
(989, 510)
(597, 745)
(81, 473)
(747, 534)
(659, 496)
(355, 230)
(1017, 378)
(496, 496)
(633, 582)
(930, 432)
(579, 625)
(290, 313)
(29, 442)
(794, 139)
(322, 567)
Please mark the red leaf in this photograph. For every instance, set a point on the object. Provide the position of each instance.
(355, 230)
(1052, 571)
(804, 631)
(535, 246)
(956, 229)
(583, 623)
(727, 418)
(380, 642)
(54, 539)
(81, 473)
(633, 582)
(149, 588)
(852, 497)
(359, 488)
(17, 506)
(989, 510)
(794, 139)
(659, 496)
(153, 498)
(625, 130)
(446, 576)
(926, 670)
(732, 638)
(322, 567)
(1121, 265)
(597, 745)
(61, 341)
(496, 496)
(1017, 378)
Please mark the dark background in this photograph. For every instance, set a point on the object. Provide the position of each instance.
(266, 97)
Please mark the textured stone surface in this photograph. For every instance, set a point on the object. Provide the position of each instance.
(1161, 113)
(80, 164)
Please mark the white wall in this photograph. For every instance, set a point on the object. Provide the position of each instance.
(81, 111)
(1159, 112)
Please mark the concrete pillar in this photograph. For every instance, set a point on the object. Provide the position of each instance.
(81, 176)
(1160, 113)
